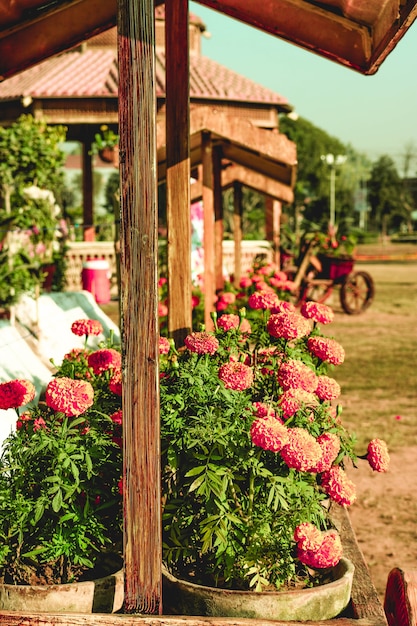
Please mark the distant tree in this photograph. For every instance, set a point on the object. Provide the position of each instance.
(385, 193)
(253, 214)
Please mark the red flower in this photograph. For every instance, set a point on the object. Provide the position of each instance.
(320, 313)
(230, 320)
(269, 433)
(164, 345)
(201, 343)
(86, 327)
(39, 424)
(117, 417)
(288, 325)
(330, 446)
(294, 374)
(293, 400)
(326, 349)
(265, 410)
(68, 396)
(115, 383)
(283, 306)
(378, 457)
(327, 388)
(104, 359)
(162, 309)
(302, 452)
(236, 376)
(263, 300)
(327, 555)
(338, 486)
(16, 393)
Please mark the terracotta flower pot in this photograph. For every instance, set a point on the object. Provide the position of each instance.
(103, 595)
(316, 603)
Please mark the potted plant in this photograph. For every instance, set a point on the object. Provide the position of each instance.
(253, 458)
(60, 484)
(106, 145)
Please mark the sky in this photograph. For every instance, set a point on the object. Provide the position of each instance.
(374, 114)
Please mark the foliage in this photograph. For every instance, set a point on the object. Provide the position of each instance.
(60, 500)
(106, 138)
(386, 196)
(232, 499)
(332, 243)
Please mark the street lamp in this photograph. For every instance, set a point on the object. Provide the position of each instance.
(333, 160)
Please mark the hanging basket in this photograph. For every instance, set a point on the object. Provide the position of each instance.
(110, 155)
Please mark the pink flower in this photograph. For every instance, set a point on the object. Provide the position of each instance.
(378, 457)
(39, 424)
(117, 417)
(195, 301)
(283, 306)
(76, 354)
(236, 376)
(265, 410)
(201, 343)
(228, 297)
(288, 326)
(162, 281)
(115, 383)
(104, 359)
(302, 452)
(86, 327)
(330, 446)
(164, 345)
(16, 393)
(269, 433)
(327, 555)
(308, 537)
(327, 388)
(162, 309)
(68, 396)
(295, 374)
(245, 282)
(338, 486)
(230, 320)
(263, 300)
(326, 349)
(293, 400)
(320, 313)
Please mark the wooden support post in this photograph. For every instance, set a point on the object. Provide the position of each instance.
(237, 231)
(178, 169)
(273, 227)
(208, 208)
(218, 217)
(88, 204)
(139, 305)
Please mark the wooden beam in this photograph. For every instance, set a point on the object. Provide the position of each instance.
(88, 211)
(139, 306)
(178, 169)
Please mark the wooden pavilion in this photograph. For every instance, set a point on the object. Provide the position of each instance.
(356, 34)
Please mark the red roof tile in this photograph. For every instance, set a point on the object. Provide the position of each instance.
(93, 72)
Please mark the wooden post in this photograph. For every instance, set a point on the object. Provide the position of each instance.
(218, 217)
(139, 305)
(178, 169)
(208, 208)
(88, 209)
(237, 231)
(273, 227)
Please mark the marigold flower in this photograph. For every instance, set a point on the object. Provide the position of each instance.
(327, 388)
(230, 320)
(195, 301)
(16, 393)
(245, 282)
(302, 452)
(288, 325)
(162, 309)
(293, 400)
(262, 409)
(330, 446)
(269, 433)
(68, 396)
(201, 343)
(338, 486)
(263, 300)
(104, 359)
(86, 327)
(117, 417)
(164, 345)
(328, 554)
(326, 349)
(378, 457)
(39, 424)
(115, 383)
(294, 374)
(319, 313)
(283, 306)
(236, 376)
(76, 354)
(308, 537)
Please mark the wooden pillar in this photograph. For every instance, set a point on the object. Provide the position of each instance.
(178, 169)
(237, 231)
(218, 217)
(273, 227)
(88, 208)
(208, 208)
(139, 306)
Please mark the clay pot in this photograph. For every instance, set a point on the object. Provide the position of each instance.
(316, 603)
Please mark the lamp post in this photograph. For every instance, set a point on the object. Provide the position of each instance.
(333, 160)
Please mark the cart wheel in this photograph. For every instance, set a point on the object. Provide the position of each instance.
(400, 603)
(316, 292)
(357, 292)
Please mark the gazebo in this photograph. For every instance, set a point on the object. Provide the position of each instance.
(356, 35)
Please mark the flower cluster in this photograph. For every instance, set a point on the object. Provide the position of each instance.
(61, 469)
(253, 446)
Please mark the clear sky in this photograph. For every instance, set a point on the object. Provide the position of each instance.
(375, 114)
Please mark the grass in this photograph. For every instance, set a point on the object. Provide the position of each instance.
(378, 377)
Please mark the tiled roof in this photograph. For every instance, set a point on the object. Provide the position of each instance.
(93, 72)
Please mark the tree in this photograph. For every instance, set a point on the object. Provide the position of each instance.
(385, 193)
